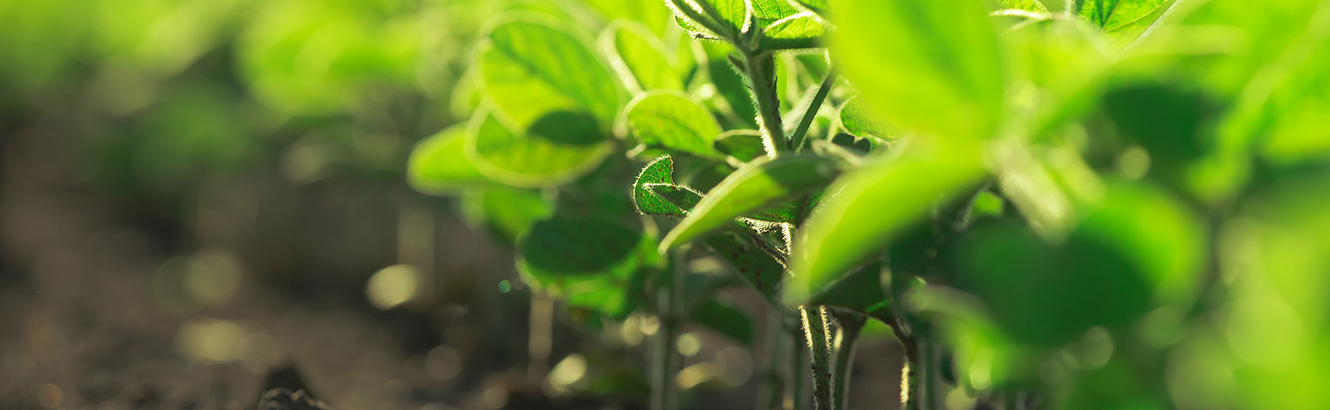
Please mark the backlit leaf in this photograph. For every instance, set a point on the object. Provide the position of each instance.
(803, 30)
(869, 206)
(927, 66)
(525, 160)
(438, 165)
(726, 320)
(754, 187)
(744, 145)
(639, 58)
(671, 120)
(588, 260)
(531, 70)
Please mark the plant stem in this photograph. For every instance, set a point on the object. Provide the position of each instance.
(850, 325)
(798, 377)
(664, 361)
(819, 354)
(801, 131)
(774, 379)
(761, 70)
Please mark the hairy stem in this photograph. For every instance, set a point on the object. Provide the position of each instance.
(850, 325)
(761, 70)
(819, 354)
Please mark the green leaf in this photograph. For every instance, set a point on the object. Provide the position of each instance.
(772, 10)
(654, 193)
(524, 160)
(671, 120)
(803, 30)
(928, 66)
(438, 165)
(588, 260)
(639, 58)
(858, 119)
(754, 187)
(866, 208)
(818, 6)
(731, 86)
(507, 212)
(726, 320)
(531, 69)
(860, 291)
(743, 145)
(726, 18)
(1124, 20)
(1033, 6)
(758, 268)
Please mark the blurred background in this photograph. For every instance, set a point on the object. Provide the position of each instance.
(203, 198)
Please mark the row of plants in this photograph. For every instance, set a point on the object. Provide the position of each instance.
(1045, 203)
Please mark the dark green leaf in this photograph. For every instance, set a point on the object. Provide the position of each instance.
(754, 187)
(726, 320)
(860, 291)
(586, 260)
(758, 268)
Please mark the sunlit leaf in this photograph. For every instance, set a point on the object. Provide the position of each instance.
(754, 187)
(867, 207)
(639, 58)
(1033, 6)
(531, 70)
(1124, 20)
(743, 145)
(858, 119)
(803, 30)
(927, 66)
(524, 160)
(655, 193)
(438, 165)
(671, 120)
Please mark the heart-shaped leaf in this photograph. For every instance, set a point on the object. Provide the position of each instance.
(655, 193)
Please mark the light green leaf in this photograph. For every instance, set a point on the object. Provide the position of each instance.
(438, 165)
(772, 10)
(803, 30)
(671, 120)
(1033, 6)
(859, 119)
(818, 6)
(1124, 20)
(524, 160)
(726, 320)
(866, 208)
(727, 18)
(588, 260)
(743, 145)
(754, 187)
(928, 66)
(532, 70)
(639, 58)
